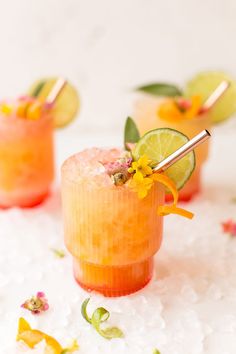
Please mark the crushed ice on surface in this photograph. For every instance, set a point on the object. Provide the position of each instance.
(189, 306)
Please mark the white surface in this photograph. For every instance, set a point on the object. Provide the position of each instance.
(190, 305)
(107, 47)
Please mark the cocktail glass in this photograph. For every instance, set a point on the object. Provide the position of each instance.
(110, 232)
(26, 158)
(146, 116)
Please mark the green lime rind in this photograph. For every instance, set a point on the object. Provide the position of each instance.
(161, 89)
(204, 84)
(158, 144)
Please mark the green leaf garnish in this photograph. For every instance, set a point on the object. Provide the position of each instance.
(155, 351)
(38, 89)
(58, 253)
(99, 316)
(161, 89)
(131, 134)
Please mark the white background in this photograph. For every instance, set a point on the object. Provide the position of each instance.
(107, 47)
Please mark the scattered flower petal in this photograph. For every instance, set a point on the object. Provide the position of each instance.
(58, 253)
(156, 351)
(229, 227)
(73, 347)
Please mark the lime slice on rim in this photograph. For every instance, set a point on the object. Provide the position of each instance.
(204, 84)
(67, 104)
(158, 144)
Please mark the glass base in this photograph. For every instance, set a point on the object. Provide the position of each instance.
(191, 188)
(23, 202)
(113, 281)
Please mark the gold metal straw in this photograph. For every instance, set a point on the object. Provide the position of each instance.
(216, 95)
(55, 91)
(182, 151)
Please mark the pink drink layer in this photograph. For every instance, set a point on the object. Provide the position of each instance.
(146, 116)
(26, 160)
(111, 234)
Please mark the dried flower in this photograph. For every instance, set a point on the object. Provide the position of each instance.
(36, 304)
(229, 227)
(118, 170)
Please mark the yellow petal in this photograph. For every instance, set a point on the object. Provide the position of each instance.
(134, 165)
(147, 170)
(138, 177)
(147, 182)
(130, 170)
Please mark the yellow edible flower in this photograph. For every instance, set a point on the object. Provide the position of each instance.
(140, 184)
(6, 109)
(141, 166)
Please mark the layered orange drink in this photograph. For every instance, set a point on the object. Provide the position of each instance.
(113, 206)
(151, 112)
(26, 140)
(198, 105)
(26, 152)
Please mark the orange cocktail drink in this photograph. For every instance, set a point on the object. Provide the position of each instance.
(110, 232)
(26, 154)
(147, 117)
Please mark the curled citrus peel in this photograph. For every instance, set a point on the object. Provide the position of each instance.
(170, 209)
(31, 337)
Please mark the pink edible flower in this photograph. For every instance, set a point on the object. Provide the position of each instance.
(36, 304)
(229, 227)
